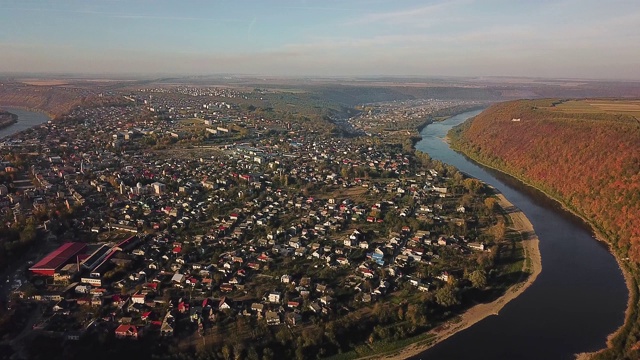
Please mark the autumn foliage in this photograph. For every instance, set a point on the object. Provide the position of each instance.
(590, 161)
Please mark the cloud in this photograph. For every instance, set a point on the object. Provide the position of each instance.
(116, 15)
(410, 16)
(171, 18)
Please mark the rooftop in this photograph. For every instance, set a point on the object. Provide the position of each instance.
(60, 256)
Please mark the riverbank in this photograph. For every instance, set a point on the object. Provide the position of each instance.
(630, 281)
(26, 120)
(532, 265)
(26, 108)
(7, 119)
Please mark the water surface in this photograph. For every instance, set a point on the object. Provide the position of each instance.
(579, 298)
(26, 119)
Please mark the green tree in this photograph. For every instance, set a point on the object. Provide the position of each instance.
(478, 278)
(447, 296)
(28, 234)
(473, 185)
(267, 354)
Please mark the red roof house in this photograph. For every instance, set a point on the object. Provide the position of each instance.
(127, 331)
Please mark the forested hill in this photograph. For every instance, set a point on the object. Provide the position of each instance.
(584, 153)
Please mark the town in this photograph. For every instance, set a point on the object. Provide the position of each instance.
(184, 215)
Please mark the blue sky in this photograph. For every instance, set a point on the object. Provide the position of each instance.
(541, 38)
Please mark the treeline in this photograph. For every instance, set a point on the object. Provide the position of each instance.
(590, 162)
(54, 100)
(7, 118)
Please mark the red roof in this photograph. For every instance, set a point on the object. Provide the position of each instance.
(60, 256)
(123, 329)
(125, 241)
(152, 285)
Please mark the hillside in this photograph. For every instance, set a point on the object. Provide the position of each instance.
(55, 100)
(586, 154)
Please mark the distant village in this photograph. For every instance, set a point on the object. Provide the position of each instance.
(167, 213)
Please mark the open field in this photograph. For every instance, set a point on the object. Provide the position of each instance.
(626, 107)
(192, 124)
(44, 82)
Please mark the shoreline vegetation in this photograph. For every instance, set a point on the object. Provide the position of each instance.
(598, 235)
(26, 108)
(532, 265)
(7, 119)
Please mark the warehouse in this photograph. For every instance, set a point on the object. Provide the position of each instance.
(58, 258)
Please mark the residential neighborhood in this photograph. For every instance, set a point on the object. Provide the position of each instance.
(169, 215)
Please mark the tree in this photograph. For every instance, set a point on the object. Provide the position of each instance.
(416, 314)
(491, 204)
(267, 354)
(252, 354)
(227, 352)
(499, 230)
(473, 185)
(478, 278)
(447, 296)
(28, 234)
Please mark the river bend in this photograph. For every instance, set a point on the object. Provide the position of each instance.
(579, 298)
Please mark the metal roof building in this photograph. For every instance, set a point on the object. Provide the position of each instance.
(58, 258)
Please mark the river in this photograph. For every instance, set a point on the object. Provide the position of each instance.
(26, 119)
(579, 298)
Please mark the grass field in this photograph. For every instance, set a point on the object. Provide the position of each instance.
(191, 124)
(626, 107)
(43, 82)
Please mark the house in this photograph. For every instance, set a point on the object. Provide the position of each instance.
(223, 304)
(378, 257)
(138, 298)
(183, 307)
(445, 276)
(177, 278)
(166, 329)
(326, 300)
(275, 297)
(367, 273)
(293, 318)
(321, 288)
(272, 318)
(226, 287)
(476, 246)
(127, 331)
(257, 307)
(293, 304)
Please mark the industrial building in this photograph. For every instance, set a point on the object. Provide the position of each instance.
(53, 262)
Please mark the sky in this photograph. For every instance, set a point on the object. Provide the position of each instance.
(592, 39)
